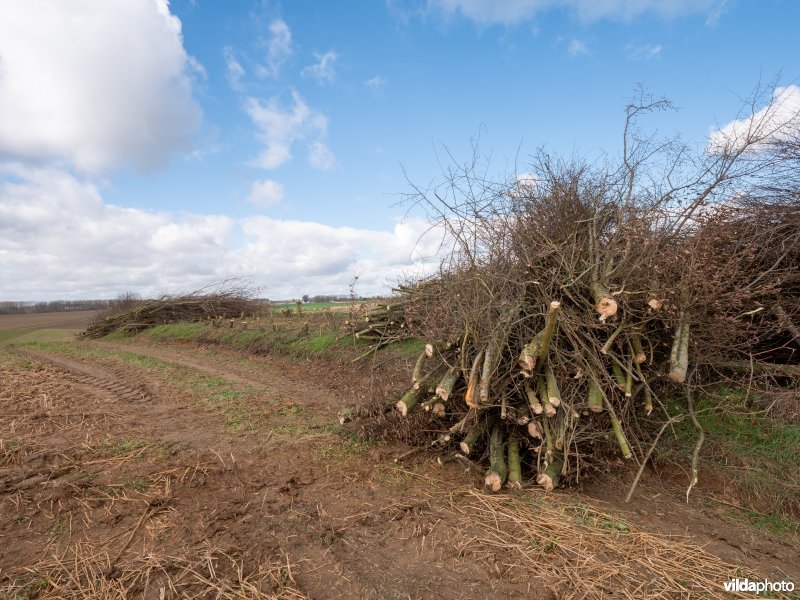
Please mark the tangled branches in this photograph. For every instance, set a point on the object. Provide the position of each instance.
(573, 297)
(131, 315)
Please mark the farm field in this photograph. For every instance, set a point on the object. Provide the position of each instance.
(43, 326)
(150, 467)
(312, 306)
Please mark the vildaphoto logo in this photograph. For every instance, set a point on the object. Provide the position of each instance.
(757, 586)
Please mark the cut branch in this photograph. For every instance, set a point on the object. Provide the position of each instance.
(498, 471)
(679, 356)
(535, 352)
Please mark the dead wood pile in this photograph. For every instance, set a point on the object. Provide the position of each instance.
(554, 348)
(577, 301)
(383, 323)
(134, 315)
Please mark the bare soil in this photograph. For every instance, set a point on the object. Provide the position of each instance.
(76, 319)
(120, 481)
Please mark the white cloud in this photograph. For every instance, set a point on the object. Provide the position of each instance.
(312, 256)
(324, 70)
(266, 193)
(510, 12)
(645, 52)
(95, 85)
(577, 47)
(376, 85)
(779, 119)
(279, 49)
(320, 157)
(233, 70)
(279, 128)
(86, 247)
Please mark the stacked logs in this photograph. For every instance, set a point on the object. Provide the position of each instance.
(382, 325)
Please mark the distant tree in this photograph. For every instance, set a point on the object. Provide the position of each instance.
(305, 297)
(25, 307)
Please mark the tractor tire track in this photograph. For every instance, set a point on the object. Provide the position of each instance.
(115, 383)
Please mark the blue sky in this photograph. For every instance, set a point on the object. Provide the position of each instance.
(158, 147)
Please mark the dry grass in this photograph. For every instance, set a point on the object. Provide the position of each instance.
(84, 570)
(567, 548)
(73, 468)
(586, 553)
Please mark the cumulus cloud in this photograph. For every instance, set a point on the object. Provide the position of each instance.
(511, 12)
(234, 72)
(376, 84)
(279, 49)
(279, 128)
(86, 247)
(314, 256)
(95, 85)
(324, 70)
(645, 52)
(778, 120)
(266, 193)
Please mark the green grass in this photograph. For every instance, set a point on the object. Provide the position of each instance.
(774, 522)
(285, 343)
(7, 335)
(343, 449)
(744, 434)
(233, 338)
(129, 446)
(309, 307)
(14, 360)
(758, 456)
(314, 344)
(146, 448)
(139, 485)
(585, 515)
(410, 348)
(17, 337)
(244, 339)
(178, 331)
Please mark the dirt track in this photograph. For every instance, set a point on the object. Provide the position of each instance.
(145, 471)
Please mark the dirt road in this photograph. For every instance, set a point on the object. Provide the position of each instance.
(170, 471)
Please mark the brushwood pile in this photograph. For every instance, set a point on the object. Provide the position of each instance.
(132, 315)
(569, 313)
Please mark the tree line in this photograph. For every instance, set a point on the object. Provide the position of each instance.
(21, 307)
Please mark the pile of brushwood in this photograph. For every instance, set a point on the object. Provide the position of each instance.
(131, 315)
(382, 324)
(577, 300)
